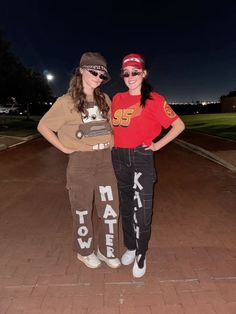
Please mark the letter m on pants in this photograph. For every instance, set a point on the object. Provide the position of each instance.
(106, 193)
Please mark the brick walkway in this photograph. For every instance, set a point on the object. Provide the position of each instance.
(191, 261)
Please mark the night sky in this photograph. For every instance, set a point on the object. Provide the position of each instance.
(190, 46)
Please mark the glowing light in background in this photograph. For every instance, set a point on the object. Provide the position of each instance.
(49, 76)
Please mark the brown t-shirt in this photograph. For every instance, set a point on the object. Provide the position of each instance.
(76, 131)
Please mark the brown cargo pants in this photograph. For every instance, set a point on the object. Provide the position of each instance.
(92, 185)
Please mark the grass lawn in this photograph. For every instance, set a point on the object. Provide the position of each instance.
(18, 125)
(220, 124)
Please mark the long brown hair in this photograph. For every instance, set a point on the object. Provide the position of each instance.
(76, 91)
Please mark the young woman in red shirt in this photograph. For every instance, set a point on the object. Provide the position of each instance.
(138, 116)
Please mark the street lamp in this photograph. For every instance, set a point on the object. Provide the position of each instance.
(49, 77)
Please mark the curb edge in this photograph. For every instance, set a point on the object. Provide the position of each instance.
(205, 153)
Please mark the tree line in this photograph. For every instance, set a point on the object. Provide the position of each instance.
(31, 87)
(18, 81)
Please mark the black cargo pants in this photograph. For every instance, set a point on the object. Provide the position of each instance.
(135, 173)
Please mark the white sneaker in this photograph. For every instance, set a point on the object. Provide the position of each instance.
(139, 272)
(128, 257)
(90, 261)
(111, 262)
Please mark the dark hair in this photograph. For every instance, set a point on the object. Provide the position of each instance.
(76, 91)
(146, 90)
(146, 87)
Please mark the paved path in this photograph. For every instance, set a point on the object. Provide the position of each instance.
(191, 261)
(221, 150)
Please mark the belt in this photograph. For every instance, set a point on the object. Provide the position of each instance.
(100, 146)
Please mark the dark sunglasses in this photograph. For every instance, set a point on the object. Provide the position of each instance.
(133, 73)
(94, 73)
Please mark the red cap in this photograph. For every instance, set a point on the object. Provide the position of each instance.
(133, 59)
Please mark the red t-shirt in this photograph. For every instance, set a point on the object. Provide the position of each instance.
(134, 125)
